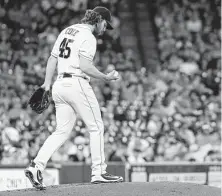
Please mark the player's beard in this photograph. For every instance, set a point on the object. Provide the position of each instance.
(98, 31)
(97, 34)
(101, 33)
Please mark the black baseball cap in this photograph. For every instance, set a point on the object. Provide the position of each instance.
(106, 15)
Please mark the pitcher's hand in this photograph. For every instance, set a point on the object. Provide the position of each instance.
(46, 87)
(113, 75)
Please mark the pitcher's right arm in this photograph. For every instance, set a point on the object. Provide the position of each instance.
(88, 68)
(86, 54)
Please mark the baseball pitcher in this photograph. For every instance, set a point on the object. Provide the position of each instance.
(73, 54)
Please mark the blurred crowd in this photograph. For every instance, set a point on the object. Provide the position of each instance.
(170, 115)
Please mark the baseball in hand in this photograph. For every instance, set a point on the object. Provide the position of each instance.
(116, 74)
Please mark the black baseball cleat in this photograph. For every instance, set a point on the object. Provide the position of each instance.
(106, 178)
(35, 176)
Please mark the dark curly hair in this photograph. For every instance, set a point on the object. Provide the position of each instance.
(91, 17)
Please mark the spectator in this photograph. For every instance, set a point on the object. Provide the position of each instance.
(173, 114)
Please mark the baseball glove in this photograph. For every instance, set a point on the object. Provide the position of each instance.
(39, 100)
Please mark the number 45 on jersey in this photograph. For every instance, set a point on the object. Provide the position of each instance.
(64, 48)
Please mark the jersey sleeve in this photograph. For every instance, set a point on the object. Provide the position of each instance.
(55, 49)
(88, 49)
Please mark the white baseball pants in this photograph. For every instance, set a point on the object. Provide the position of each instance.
(71, 96)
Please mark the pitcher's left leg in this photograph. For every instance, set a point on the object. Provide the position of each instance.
(65, 120)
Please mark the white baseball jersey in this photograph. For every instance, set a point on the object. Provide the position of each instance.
(72, 42)
(74, 95)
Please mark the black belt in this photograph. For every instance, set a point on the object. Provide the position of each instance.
(66, 75)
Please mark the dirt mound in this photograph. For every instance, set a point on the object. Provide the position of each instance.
(121, 189)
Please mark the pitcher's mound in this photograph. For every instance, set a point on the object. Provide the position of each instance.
(121, 189)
